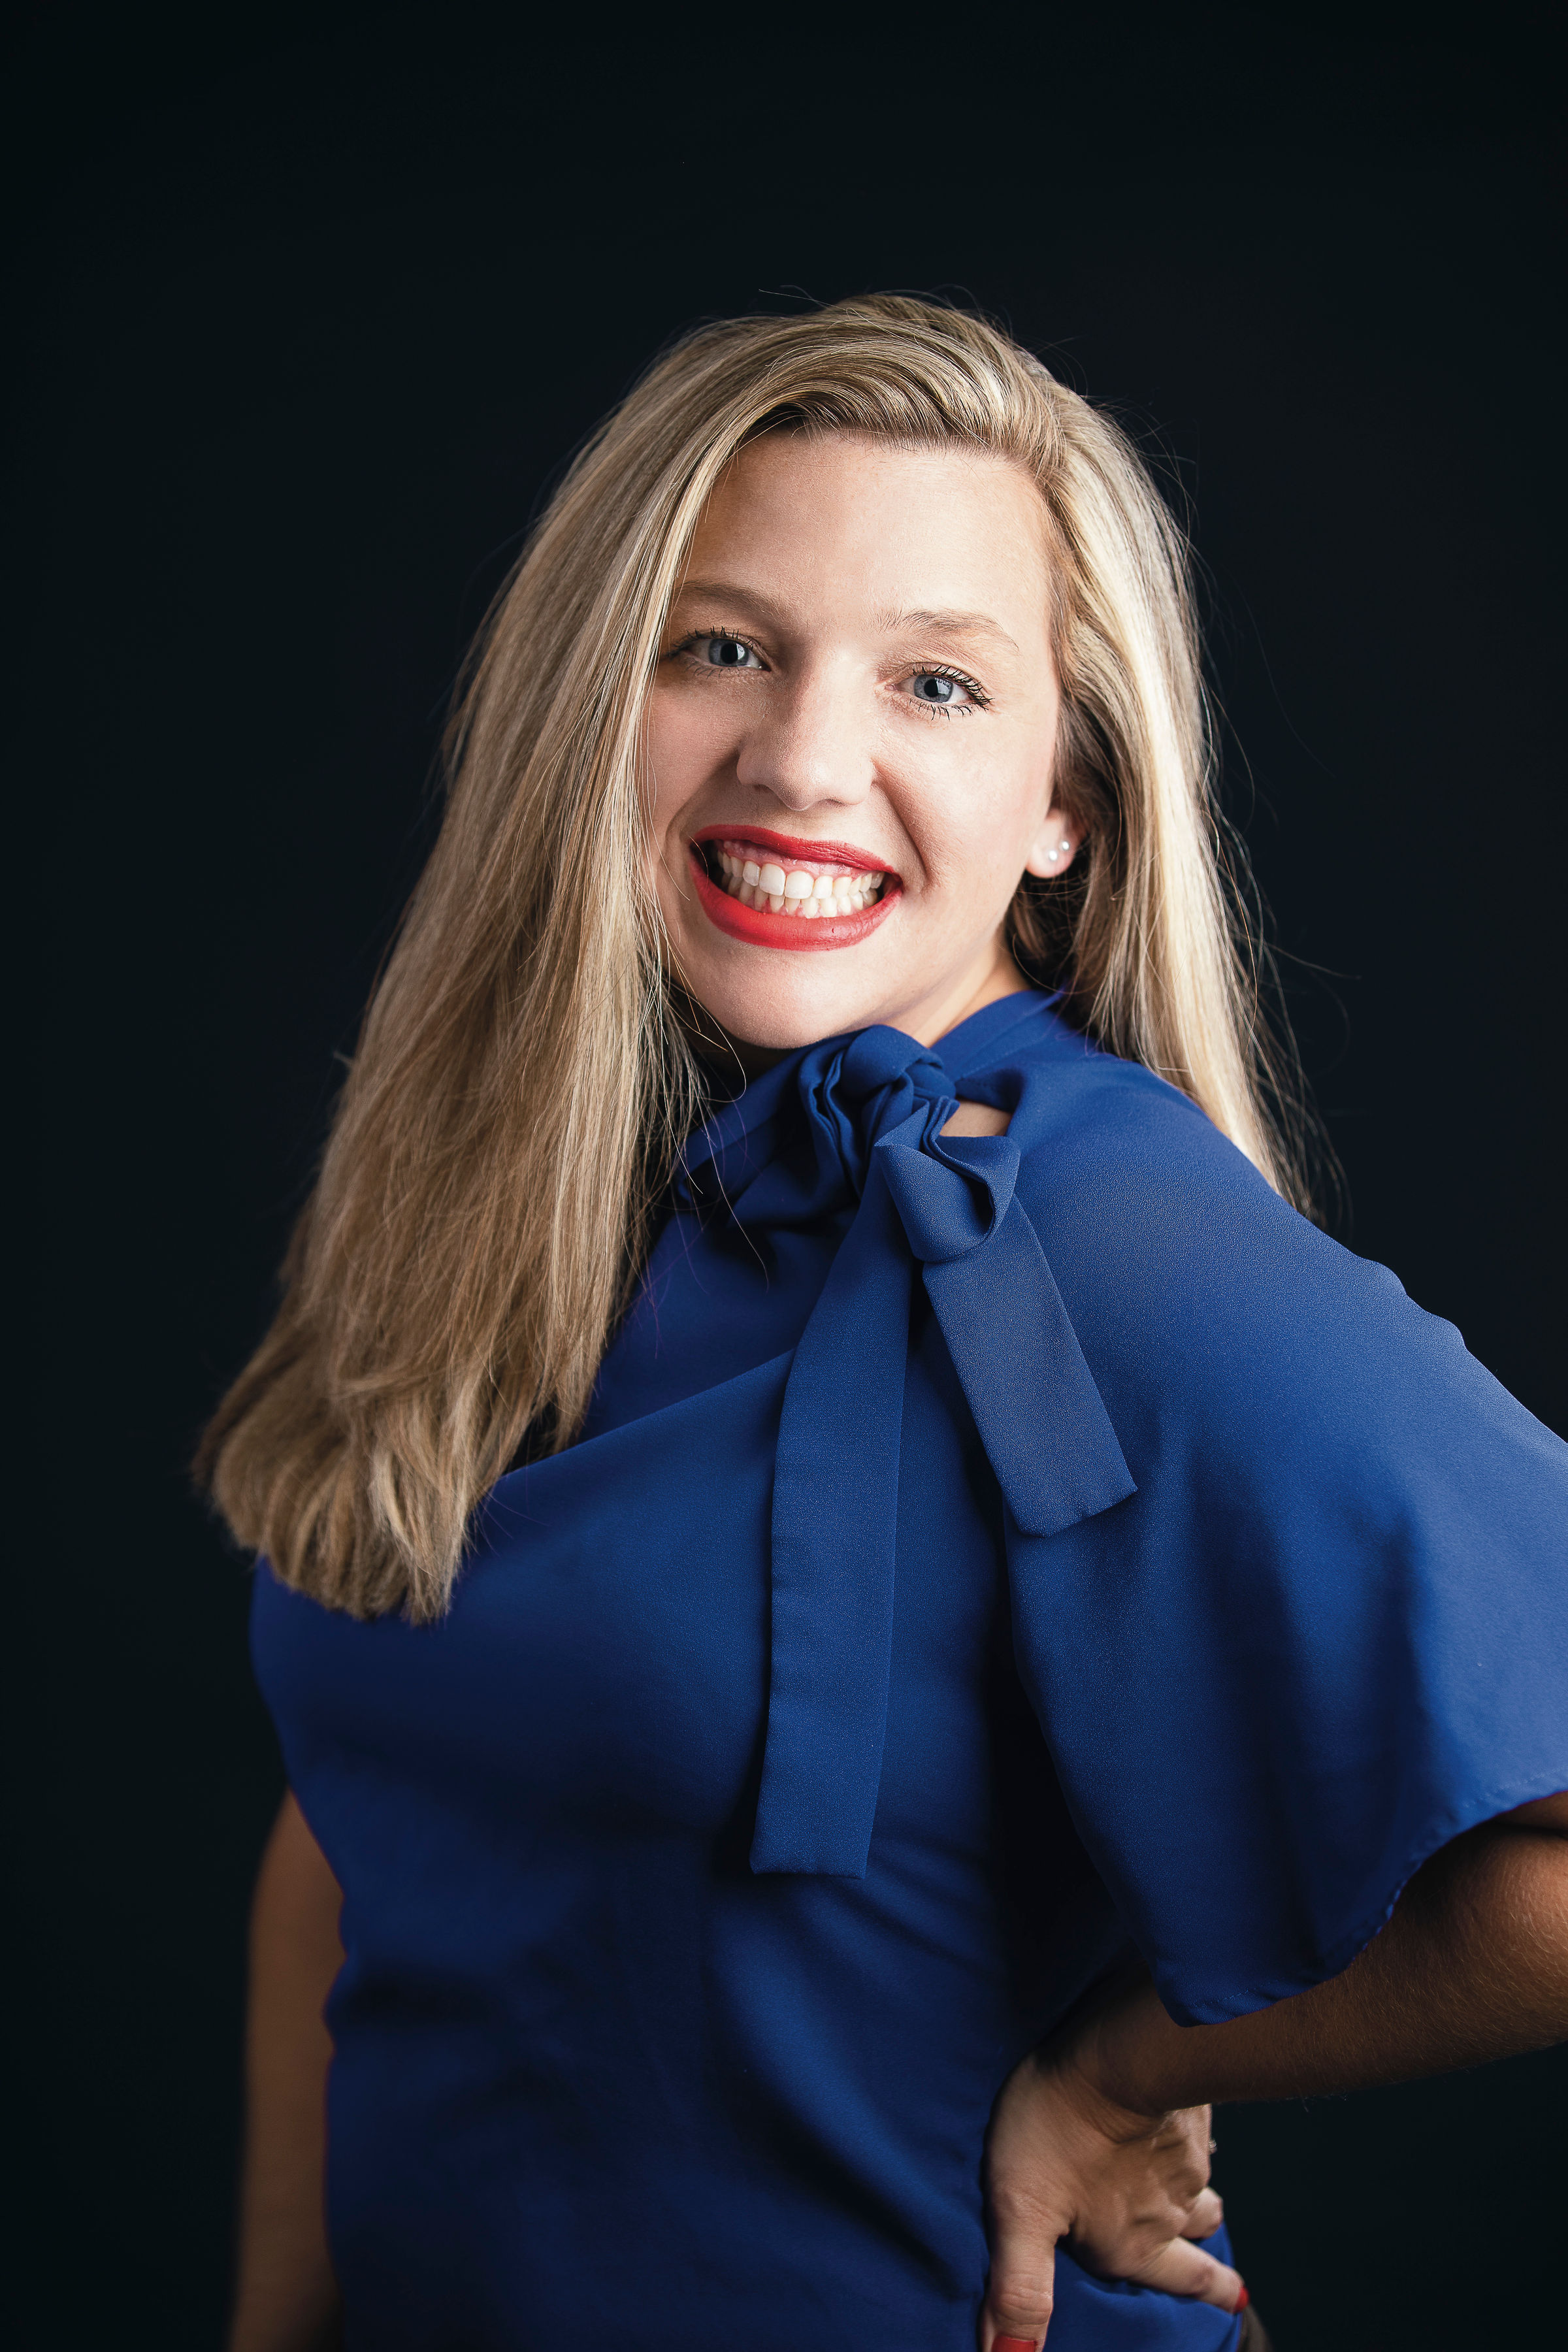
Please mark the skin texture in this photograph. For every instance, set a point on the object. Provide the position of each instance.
(846, 572)
(813, 556)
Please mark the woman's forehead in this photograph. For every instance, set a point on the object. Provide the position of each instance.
(898, 529)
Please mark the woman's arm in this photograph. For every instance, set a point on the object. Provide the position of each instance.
(286, 2299)
(1102, 2141)
(1473, 1965)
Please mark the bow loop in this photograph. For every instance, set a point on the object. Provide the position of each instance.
(952, 1194)
(858, 1090)
(884, 1078)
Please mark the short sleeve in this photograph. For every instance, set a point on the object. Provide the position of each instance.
(1329, 1631)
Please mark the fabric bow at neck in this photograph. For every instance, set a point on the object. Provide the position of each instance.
(874, 1107)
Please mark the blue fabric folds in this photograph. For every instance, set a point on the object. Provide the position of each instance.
(1150, 1577)
(875, 1106)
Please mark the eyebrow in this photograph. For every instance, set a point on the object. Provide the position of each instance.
(949, 624)
(952, 625)
(726, 591)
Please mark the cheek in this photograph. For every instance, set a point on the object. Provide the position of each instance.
(685, 745)
(1021, 797)
(975, 821)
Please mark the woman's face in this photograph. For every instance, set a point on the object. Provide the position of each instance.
(851, 735)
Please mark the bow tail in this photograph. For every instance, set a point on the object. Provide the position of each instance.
(1040, 1416)
(834, 1525)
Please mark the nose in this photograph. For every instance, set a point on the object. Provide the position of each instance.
(810, 745)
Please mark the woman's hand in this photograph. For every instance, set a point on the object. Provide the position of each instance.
(1102, 2143)
(1127, 2193)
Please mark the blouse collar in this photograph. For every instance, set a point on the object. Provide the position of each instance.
(841, 1096)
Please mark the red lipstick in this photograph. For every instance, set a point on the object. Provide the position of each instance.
(788, 845)
(761, 929)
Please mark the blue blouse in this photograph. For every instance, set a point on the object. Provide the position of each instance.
(889, 1660)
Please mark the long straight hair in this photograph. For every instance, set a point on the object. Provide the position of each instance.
(523, 1080)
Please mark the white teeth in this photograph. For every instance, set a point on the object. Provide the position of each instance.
(794, 891)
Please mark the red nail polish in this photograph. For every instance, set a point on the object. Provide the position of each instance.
(1243, 2299)
(1014, 2344)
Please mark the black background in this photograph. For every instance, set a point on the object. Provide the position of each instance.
(309, 318)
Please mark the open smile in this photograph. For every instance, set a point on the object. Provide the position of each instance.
(777, 892)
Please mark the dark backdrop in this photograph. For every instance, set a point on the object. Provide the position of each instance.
(309, 318)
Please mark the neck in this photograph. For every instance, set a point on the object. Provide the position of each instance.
(930, 1022)
(928, 1019)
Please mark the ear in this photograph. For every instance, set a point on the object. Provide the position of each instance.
(1055, 847)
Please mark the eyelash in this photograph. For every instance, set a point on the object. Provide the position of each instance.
(959, 678)
(922, 669)
(697, 637)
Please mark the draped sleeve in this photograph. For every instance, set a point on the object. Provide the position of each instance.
(1327, 1630)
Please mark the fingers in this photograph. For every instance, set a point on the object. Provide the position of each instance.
(1018, 2299)
(1207, 2213)
(1180, 2268)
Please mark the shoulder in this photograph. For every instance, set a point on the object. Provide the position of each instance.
(1199, 1296)
(1100, 1136)
(1061, 1090)
(1142, 1204)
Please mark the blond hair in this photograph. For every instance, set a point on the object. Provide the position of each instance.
(522, 1080)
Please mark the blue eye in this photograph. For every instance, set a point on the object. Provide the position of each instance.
(728, 653)
(944, 690)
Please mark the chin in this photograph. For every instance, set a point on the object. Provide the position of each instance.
(781, 1012)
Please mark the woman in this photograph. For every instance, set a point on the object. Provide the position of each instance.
(924, 1616)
